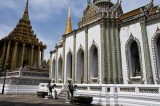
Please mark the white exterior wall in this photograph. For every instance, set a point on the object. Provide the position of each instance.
(125, 32)
(80, 40)
(94, 35)
(60, 54)
(68, 46)
(151, 29)
(53, 56)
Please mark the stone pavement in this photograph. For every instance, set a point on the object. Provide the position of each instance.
(33, 100)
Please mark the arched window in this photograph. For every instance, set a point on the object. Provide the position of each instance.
(157, 52)
(80, 66)
(69, 66)
(60, 69)
(93, 64)
(134, 60)
(53, 69)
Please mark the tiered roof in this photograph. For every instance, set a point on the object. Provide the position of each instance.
(23, 31)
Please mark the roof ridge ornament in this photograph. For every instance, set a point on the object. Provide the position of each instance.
(115, 6)
(146, 10)
(25, 15)
(96, 8)
(97, 1)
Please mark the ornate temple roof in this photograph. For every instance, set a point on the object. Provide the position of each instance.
(100, 9)
(147, 10)
(23, 31)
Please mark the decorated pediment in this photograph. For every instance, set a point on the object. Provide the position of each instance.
(89, 12)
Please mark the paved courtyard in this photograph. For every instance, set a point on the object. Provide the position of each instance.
(32, 100)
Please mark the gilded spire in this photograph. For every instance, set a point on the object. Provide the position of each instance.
(25, 15)
(69, 23)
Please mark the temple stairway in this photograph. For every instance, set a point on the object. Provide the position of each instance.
(64, 94)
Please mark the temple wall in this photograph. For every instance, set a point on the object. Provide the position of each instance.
(125, 33)
(60, 52)
(94, 37)
(53, 56)
(80, 40)
(80, 44)
(68, 48)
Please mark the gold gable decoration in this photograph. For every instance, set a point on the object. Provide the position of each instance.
(89, 12)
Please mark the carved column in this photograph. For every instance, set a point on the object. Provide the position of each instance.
(86, 58)
(114, 76)
(4, 50)
(22, 56)
(108, 50)
(147, 60)
(74, 62)
(32, 53)
(118, 51)
(42, 55)
(103, 34)
(64, 61)
(38, 56)
(56, 65)
(50, 68)
(14, 56)
(7, 55)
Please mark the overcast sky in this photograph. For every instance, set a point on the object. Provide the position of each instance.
(48, 17)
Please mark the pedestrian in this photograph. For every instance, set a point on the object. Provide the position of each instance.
(49, 88)
(71, 89)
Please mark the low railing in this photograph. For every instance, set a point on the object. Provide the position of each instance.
(104, 88)
(116, 94)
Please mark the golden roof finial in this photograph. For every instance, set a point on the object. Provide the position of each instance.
(69, 23)
(25, 15)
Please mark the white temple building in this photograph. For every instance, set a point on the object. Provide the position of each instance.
(112, 56)
(109, 47)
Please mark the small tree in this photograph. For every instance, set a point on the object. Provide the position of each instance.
(48, 63)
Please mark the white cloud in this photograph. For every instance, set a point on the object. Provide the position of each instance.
(45, 9)
(10, 4)
(4, 30)
(47, 41)
(53, 8)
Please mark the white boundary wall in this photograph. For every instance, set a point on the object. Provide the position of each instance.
(124, 95)
(19, 89)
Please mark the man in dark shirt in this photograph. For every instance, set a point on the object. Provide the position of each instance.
(71, 89)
